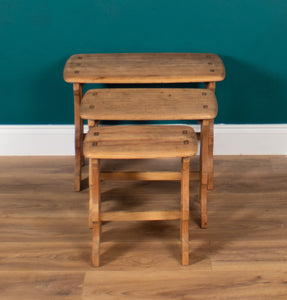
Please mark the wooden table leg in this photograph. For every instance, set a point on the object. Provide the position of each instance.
(184, 220)
(95, 208)
(204, 170)
(96, 244)
(78, 94)
(210, 181)
(210, 185)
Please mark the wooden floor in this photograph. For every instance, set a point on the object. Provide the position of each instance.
(46, 244)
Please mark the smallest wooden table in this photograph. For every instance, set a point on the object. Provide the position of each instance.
(139, 142)
(132, 68)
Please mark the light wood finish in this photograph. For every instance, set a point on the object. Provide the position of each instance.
(210, 181)
(141, 216)
(184, 203)
(95, 209)
(78, 93)
(140, 132)
(147, 176)
(45, 245)
(128, 142)
(96, 244)
(204, 171)
(143, 141)
(94, 190)
(144, 68)
(91, 123)
(210, 185)
(149, 104)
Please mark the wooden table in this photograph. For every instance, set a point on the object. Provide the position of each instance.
(132, 68)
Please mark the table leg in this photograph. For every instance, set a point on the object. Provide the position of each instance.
(210, 185)
(184, 220)
(78, 94)
(204, 171)
(95, 208)
(210, 180)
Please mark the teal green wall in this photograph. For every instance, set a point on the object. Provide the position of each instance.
(37, 37)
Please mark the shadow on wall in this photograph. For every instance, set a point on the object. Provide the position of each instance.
(250, 94)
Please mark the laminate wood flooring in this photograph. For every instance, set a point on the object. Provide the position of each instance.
(45, 243)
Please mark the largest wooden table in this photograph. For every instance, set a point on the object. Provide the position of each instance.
(124, 68)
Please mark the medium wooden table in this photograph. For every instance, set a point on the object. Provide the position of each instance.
(133, 68)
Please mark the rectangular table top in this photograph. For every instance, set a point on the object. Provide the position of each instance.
(148, 104)
(141, 141)
(144, 68)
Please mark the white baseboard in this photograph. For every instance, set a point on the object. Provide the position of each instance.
(250, 139)
(59, 139)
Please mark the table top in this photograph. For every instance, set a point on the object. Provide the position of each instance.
(144, 68)
(141, 141)
(148, 104)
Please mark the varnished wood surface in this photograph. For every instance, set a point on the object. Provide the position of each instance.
(141, 141)
(149, 104)
(153, 176)
(140, 216)
(79, 123)
(144, 68)
(45, 247)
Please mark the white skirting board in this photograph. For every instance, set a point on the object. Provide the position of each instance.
(269, 139)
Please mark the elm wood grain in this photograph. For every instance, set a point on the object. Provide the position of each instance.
(78, 93)
(140, 216)
(141, 132)
(138, 142)
(142, 141)
(144, 68)
(95, 209)
(96, 243)
(143, 165)
(149, 104)
(146, 176)
(94, 192)
(210, 183)
(204, 171)
(184, 208)
(210, 86)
